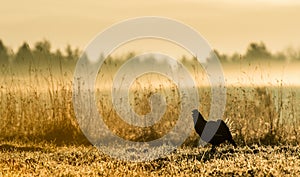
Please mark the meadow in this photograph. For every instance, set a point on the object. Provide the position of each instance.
(49, 160)
(39, 107)
(39, 134)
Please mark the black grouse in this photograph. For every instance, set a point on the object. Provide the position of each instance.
(221, 135)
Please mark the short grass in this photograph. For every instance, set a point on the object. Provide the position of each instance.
(49, 160)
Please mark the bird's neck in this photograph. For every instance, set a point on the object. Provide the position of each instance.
(201, 118)
(199, 126)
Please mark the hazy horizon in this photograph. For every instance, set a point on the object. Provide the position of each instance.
(228, 26)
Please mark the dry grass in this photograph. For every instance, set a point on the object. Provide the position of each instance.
(88, 161)
(264, 121)
(258, 115)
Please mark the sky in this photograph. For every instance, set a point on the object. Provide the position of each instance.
(229, 26)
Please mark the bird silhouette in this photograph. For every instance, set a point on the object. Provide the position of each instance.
(222, 132)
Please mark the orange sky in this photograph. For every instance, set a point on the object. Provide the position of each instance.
(228, 26)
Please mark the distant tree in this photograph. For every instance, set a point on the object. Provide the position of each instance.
(236, 57)
(184, 60)
(24, 55)
(130, 55)
(280, 56)
(292, 54)
(69, 60)
(43, 47)
(4, 56)
(72, 55)
(58, 54)
(222, 57)
(42, 55)
(257, 51)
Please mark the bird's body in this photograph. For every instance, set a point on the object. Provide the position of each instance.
(216, 132)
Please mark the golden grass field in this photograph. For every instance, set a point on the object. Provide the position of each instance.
(48, 160)
(39, 134)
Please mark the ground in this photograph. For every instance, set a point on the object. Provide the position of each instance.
(49, 160)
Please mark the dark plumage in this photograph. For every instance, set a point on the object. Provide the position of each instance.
(221, 135)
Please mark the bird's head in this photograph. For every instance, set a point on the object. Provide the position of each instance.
(195, 115)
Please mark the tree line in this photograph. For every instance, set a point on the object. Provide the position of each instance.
(38, 58)
(41, 56)
(257, 51)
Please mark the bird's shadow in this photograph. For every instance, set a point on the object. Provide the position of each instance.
(214, 153)
(206, 155)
